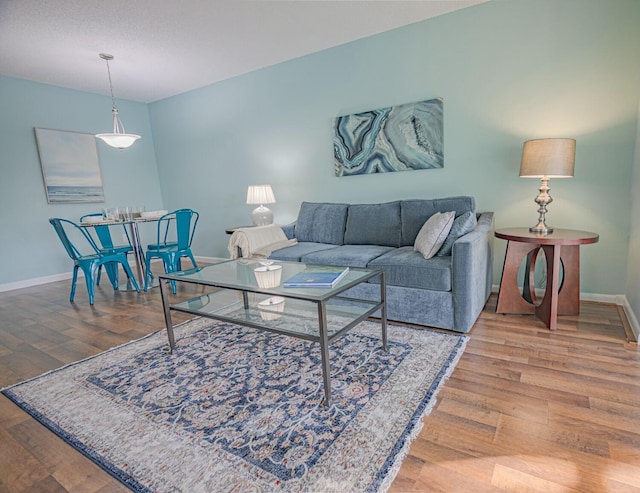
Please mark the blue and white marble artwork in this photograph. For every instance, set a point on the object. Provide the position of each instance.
(399, 138)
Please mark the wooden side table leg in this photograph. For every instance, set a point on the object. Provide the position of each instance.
(569, 297)
(529, 284)
(547, 311)
(509, 298)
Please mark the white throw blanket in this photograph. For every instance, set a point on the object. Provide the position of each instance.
(258, 242)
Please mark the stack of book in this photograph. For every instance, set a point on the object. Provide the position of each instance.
(317, 277)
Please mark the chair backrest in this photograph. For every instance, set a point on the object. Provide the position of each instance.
(103, 233)
(178, 227)
(66, 230)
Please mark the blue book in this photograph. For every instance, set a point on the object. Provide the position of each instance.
(317, 278)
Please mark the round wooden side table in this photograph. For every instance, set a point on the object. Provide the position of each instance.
(562, 247)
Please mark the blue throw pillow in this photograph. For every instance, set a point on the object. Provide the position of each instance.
(463, 224)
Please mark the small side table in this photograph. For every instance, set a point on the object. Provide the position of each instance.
(560, 247)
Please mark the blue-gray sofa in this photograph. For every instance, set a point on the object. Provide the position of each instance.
(445, 291)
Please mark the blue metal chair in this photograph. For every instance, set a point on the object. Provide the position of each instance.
(104, 237)
(175, 234)
(91, 261)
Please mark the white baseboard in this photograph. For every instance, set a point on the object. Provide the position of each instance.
(209, 260)
(615, 299)
(37, 281)
(631, 317)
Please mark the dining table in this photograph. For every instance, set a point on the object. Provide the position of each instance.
(136, 242)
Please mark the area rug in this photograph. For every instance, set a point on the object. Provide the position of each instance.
(239, 409)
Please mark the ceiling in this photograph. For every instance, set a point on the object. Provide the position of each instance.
(166, 47)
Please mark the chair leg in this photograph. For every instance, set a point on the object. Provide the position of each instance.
(73, 283)
(193, 260)
(112, 273)
(170, 267)
(127, 269)
(147, 265)
(90, 276)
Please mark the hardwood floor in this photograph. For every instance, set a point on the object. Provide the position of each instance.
(526, 410)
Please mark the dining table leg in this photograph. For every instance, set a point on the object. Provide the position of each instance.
(138, 252)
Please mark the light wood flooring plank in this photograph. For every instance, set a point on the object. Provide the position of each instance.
(525, 410)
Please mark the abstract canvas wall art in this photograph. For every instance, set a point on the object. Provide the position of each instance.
(398, 138)
(70, 166)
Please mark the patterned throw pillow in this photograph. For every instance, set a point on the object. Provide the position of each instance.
(433, 233)
(463, 224)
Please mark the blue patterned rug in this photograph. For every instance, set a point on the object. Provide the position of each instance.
(238, 409)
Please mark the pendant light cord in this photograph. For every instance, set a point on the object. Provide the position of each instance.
(118, 127)
(113, 99)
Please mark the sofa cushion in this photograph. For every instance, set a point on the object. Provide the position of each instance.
(462, 225)
(415, 212)
(321, 223)
(347, 255)
(373, 224)
(296, 252)
(433, 233)
(406, 267)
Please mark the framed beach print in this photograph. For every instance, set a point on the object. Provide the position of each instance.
(70, 166)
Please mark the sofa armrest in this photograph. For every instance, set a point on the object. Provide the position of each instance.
(472, 272)
(289, 230)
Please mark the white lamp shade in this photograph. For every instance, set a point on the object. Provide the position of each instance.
(260, 194)
(121, 141)
(553, 158)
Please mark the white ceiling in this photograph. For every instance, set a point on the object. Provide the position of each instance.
(166, 47)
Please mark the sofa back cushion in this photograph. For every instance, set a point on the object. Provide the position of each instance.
(414, 213)
(374, 224)
(321, 223)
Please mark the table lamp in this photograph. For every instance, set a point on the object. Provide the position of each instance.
(544, 159)
(261, 194)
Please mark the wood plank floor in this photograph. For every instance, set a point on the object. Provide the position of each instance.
(526, 410)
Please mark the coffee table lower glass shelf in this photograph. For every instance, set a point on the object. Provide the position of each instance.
(321, 315)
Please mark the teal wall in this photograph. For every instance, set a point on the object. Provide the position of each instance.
(30, 248)
(508, 71)
(632, 292)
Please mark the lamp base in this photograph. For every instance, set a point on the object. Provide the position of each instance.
(541, 229)
(262, 216)
(543, 200)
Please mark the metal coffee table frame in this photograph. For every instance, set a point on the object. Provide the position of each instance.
(224, 278)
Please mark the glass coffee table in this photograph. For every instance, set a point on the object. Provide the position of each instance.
(321, 315)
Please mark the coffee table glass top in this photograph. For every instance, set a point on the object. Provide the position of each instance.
(239, 275)
(235, 296)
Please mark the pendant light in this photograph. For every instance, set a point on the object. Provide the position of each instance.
(119, 138)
